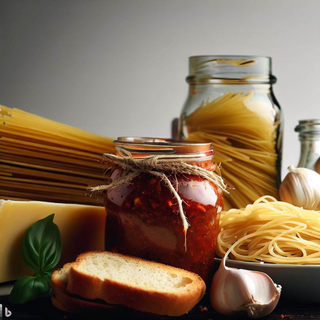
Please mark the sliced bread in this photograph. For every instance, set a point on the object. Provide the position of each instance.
(66, 302)
(139, 284)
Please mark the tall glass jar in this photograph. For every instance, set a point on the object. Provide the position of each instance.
(309, 136)
(143, 215)
(231, 103)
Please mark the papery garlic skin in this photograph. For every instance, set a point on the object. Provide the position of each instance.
(236, 291)
(301, 187)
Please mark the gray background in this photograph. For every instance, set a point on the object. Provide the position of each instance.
(118, 67)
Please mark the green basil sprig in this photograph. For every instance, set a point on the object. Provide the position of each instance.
(41, 248)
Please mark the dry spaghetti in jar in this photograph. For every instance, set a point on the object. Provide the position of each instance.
(231, 103)
(163, 202)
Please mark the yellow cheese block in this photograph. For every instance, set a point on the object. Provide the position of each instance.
(82, 229)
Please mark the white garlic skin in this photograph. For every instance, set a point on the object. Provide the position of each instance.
(301, 187)
(235, 291)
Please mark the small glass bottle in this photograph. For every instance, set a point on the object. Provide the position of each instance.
(231, 103)
(309, 136)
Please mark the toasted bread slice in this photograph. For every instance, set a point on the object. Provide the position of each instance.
(59, 279)
(139, 284)
(65, 302)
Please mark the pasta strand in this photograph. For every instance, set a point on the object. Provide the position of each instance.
(243, 134)
(270, 231)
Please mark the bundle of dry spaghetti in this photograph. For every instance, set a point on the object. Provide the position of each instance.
(243, 133)
(45, 160)
(271, 231)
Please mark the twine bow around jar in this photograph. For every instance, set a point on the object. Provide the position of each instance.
(159, 166)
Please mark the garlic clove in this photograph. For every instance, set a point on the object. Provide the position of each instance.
(265, 294)
(301, 187)
(237, 291)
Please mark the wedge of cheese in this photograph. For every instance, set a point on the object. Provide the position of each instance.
(82, 229)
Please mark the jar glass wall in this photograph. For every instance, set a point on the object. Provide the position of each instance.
(231, 103)
(309, 136)
(143, 218)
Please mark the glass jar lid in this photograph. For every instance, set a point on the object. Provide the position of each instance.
(226, 69)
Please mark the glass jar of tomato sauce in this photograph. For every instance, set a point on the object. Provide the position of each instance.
(142, 214)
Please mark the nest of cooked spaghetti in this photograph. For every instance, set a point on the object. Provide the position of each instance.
(271, 231)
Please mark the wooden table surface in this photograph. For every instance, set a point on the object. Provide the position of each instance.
(43, 309)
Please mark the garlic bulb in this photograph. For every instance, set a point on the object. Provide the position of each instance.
(236, 290)
(301, 187)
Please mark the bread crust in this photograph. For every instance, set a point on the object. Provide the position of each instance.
(58, 286)
(63, 301)
(162, 303)
(59, 305)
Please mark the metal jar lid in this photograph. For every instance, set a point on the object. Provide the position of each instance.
(308, 127)
(153, 146)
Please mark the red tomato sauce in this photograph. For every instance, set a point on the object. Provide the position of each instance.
(143, 220)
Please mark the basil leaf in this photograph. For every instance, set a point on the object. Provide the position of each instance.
(41, 246)
(29, 288)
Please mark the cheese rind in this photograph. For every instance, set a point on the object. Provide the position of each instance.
(82, 229)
